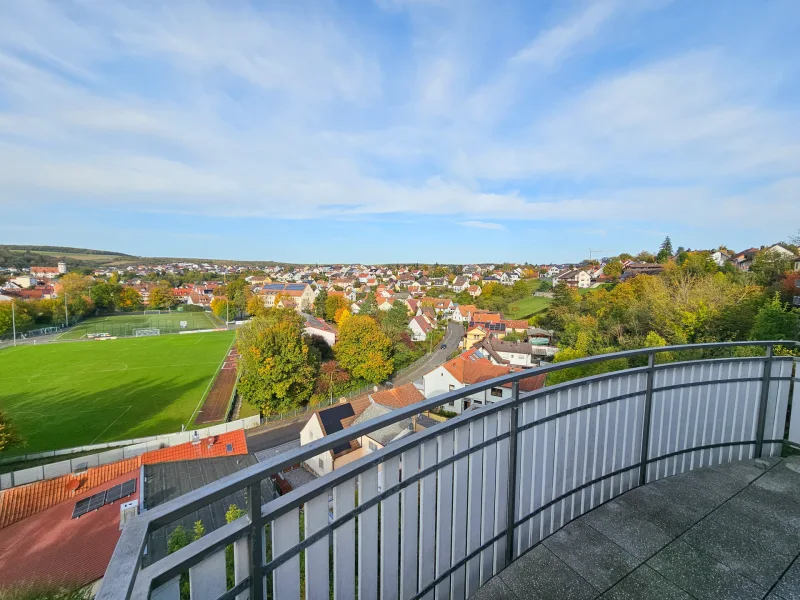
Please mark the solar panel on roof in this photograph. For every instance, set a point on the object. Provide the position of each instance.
(228, 448)
(81, 508)
(97, 501)
(114, 494)
(128, 487)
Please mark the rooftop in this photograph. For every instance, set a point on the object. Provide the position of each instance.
(730, 531)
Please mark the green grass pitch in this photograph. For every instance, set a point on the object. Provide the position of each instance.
(125, 325)
(71, 394)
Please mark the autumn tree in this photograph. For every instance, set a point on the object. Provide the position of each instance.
(342, 314)
(219, 306)
(255, 306)
(364, 350)
(129, 299)
(613, 269)
(277, 365)
(74, 284)
(9, 437)
(20, 312)
(105, 295)
(769, 267)
(333, 304)
(161, 298)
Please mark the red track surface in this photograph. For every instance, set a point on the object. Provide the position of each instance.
(216, 404)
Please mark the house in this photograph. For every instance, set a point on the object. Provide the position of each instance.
(47, 272)
(519, 354)
(469, 368)
(199, 299)
(315, 326)
(420, 327)
(413, 305)
(553, 271)
(474, 335)
(640, 268)
(460, 284)
(720, 257)
(541, 337)
(443, 306)
(575, 278)
(301, 294)
(463, 313)
(345, 414)
(474, 291)
(744, 259)
(777, 248)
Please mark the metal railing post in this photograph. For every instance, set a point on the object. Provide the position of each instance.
(762, 404)
(511, 514)
(256, 535)
(648, 411)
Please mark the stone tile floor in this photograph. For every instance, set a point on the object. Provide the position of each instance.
(722, 533)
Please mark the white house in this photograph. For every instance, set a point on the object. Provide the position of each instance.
(463, 313)
(343, 415)
(576, 278)
(460, 284)
(420, 326)
(720, 258)
(469, 368)
(318, 327)
(518, 354)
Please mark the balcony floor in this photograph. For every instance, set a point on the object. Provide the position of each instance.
(725, 532)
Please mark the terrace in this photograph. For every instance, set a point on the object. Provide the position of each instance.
(657, 481)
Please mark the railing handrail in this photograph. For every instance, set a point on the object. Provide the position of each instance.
(132, 538)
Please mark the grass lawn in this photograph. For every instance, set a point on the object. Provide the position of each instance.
(124, 325)
(72, 394)
(526, 307)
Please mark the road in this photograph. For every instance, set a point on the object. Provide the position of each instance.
(455, 331)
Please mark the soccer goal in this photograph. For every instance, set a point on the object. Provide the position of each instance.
(146, 331)
(154, 312)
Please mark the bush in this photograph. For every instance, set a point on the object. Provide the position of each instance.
(191, 308)
(46, 591)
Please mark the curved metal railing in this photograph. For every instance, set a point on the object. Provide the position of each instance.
(445, 509)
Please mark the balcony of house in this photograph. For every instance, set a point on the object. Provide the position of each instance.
(664, 479)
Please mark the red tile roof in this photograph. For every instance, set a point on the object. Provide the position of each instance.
(52, 546)
(469, 370)
(399, 397)
(21, 502)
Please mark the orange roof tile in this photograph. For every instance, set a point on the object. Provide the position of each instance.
(470, 371)
(20, 502)
(399, 397)
(52, 546)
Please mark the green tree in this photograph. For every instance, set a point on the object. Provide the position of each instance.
(769, 267)
(698, 263)
(129, 299)
(105, 295)
(364, 350)
(161, 298)
(277, 365)
(369, 306)
(665, 251)
(645, 256)
(613, 269)
(9, 436)
(395, 322)
(319, 304)
(776, 321)
(20, 312)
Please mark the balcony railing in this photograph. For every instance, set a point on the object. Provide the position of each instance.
(438, 513)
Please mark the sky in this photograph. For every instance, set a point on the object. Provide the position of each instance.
(399, 130)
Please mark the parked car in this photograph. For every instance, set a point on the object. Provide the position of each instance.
(443, 347)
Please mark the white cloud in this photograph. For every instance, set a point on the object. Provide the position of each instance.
(481, 225)
(556, 44)
(241, 112)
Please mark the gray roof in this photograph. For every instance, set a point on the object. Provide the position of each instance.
(166, 481)
(388, 433)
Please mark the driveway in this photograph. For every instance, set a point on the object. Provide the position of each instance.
(455, 331)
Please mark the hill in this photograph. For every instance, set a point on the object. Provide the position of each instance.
(23, 256)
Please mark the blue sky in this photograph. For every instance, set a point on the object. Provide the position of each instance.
(399, 130)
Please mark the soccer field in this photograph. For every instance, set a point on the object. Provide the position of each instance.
(125, 325)
(72, 394)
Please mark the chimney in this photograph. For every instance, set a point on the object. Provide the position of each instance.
(342, 400)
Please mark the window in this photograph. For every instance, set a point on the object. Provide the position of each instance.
(497, 392)
(373, 446)
(452, 387)
(321, 464)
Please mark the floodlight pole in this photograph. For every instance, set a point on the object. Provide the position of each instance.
(227, 300)
(66, 312)
(14, 322)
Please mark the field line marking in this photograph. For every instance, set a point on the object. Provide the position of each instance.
(208, 387)
(112, 422)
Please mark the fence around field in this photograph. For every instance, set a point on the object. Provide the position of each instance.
(125, 324)
(441, 511)
(114, 451)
